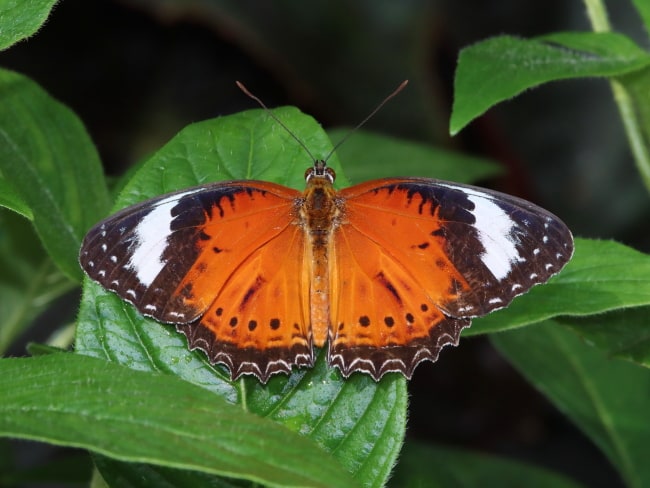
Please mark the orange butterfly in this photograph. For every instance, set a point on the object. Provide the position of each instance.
(385, 273)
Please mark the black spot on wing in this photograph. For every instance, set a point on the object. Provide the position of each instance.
(247, 360)
(401, 358)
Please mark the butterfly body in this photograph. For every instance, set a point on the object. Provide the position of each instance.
(383, 274)
(320, 213)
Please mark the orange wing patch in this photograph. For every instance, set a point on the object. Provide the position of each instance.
(226, 233)
(389, 275)
(258, 324)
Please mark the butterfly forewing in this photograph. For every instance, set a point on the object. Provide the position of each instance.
(140, 254)
(492, 247)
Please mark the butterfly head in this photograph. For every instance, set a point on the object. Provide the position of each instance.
(320, 170)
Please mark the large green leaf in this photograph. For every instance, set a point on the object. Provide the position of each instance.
(359, 421)
(74, 400)
(247, 145)
(502, 67)
(48, 160)
(602, 276)
(608, 399)
(20, 19)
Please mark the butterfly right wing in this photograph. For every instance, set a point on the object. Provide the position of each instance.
(417, 259)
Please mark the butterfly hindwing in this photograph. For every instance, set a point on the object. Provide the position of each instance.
(432, 255)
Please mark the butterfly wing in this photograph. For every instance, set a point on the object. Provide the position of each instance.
(416, 259)
(222, 261)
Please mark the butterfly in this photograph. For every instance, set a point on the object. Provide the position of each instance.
(383, 274)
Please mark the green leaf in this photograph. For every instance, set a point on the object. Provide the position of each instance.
(608, 399)
(621, 334)
(247, 145)
(29, 281)
(49, 161)
(367, 156)
(633, 99)
(500, 68)
(20, 19)
(438, 466)
(139, 475)
(602, 276)
(643, 7)
(74, 400)
(10, 199)
(359, 421)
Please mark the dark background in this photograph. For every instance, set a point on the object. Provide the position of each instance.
(138, 71)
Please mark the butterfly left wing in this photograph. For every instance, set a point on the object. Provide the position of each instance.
(416, 259)
(214, 261)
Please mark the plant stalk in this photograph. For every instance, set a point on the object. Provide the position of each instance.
(597, 14)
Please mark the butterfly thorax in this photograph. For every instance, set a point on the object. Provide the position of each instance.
(319, 213)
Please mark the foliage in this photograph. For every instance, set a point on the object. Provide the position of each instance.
(153, 413)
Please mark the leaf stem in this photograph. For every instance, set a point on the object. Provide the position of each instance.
(597, 14)
(243, 394)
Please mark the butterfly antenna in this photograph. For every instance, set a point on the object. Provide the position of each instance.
(370, 115)
(272, 115)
